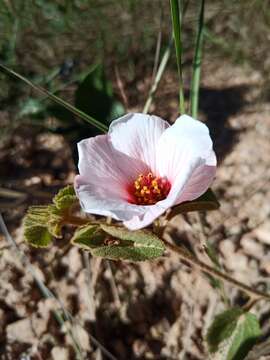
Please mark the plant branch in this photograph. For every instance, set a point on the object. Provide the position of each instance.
(186, 256)
(76, 220)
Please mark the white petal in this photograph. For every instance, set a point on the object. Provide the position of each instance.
(137, 135)
(186, 157)
(101, 201)
(141, 221)
(105, 173)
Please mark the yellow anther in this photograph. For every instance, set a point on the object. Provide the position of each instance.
(148, 189)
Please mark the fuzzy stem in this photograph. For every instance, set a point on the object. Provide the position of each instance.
(76, 220)
(186, 256)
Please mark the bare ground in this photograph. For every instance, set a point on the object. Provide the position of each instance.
(157, 310)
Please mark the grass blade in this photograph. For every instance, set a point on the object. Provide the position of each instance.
(56, 99)
(197, 61)
(158, 76)
(176, 15)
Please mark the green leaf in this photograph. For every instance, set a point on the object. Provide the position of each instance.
(36, 215)
(232, 334)
(37, 236)
(35, 226)
(65, 198)
(245, 337)
(205, 202)
(44, 222)
(89, 237)
(114, 242)
(135, 245)
(222, 328)
(94, 96)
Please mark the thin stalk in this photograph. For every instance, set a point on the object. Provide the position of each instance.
(56, 99)
(176, 15)
(197, 61)
(160, 71)
(187, 257)
(158, 46)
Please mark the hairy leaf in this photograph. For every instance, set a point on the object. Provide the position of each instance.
(37, 236)
(222, 327)
(114, 242)
(232, 334)
(65, 198)
(134, 245)
(45, 221)
(245, 337)
(89, 237)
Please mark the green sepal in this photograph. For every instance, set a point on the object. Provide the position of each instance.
(205, 202)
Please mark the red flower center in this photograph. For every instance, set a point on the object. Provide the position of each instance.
(148, 189)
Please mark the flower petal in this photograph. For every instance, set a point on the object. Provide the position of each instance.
(142, 220)
(99, 201)
(186, 157)
(137, 135)
(105, 174)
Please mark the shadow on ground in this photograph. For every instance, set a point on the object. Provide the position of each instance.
(219, 105)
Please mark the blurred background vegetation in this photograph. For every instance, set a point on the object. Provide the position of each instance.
(58, 44)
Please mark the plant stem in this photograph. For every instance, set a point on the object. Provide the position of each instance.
(186, 256)
(176, 15)
(76, 220)
(195, 82)
(158, 76)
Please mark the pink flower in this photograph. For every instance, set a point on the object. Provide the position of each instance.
(143, 167)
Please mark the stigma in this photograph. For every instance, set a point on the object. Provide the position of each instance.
(149, 189)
